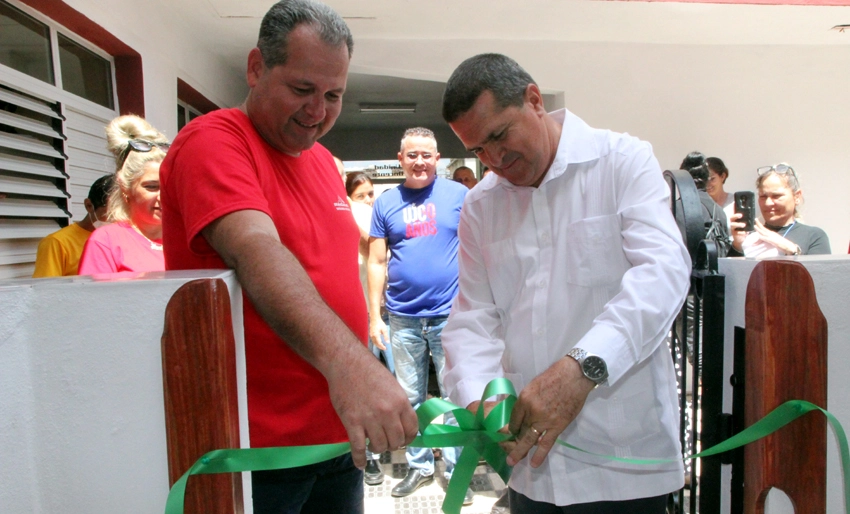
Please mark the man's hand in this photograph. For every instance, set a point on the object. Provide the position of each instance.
(545, 408)
(371, 404)
(507, 446)
(378, 332)
(367, 398)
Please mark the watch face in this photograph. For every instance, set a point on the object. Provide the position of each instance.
(595, 368)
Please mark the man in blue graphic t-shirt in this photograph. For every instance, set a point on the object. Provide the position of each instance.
(417, 221)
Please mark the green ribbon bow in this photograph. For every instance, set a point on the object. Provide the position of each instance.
(479, 436)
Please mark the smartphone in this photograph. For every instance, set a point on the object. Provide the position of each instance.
(745, 203)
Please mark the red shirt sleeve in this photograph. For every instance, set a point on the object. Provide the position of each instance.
(208, 185)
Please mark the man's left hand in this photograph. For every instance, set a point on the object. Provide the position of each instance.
(545, 408)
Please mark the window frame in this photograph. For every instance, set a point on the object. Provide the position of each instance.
(191, 112)
(82, 141)
(55, 29)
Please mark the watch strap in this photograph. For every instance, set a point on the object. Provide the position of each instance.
(579, 354)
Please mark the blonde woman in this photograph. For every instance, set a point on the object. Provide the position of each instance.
(134, 241)
(781, 232)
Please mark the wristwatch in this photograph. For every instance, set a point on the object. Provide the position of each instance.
(592, 366)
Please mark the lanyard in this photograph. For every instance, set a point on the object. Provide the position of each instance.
(789, 229)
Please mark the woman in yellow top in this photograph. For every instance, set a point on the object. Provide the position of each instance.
(59, 253)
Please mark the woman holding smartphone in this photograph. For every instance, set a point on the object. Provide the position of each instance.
(779, 199)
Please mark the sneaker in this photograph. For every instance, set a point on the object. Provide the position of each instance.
(468, 498)
(373, 474)
(413, 481)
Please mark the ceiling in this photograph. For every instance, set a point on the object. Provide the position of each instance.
(230, 27)
(371, 89)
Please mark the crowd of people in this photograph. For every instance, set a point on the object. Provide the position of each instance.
(779, 196)
(122, 230)
(561, 269)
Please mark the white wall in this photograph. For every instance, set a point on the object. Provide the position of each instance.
(82, 428)
(749, 105)
(168, 52)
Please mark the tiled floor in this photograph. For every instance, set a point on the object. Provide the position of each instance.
(486, 484)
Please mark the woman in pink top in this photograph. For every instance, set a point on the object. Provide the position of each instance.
(134, 241)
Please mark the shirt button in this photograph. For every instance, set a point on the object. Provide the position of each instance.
(540, 331)
(541, 284)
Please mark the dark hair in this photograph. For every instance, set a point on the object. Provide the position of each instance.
(497, 73)
(454, 173)
(353, 181)
(716, 165)
(692, 160)
(700, 175)
(99, 190)
(286, 15)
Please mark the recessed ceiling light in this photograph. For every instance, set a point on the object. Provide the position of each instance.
(387, 108)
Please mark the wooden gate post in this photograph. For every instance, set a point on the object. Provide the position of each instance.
(199, 381)
(786, 359)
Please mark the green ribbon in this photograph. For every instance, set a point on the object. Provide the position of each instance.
(776, 419)
(479, 436)
(251, 459)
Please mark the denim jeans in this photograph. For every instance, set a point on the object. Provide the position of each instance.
(414, 340)
(334, 485)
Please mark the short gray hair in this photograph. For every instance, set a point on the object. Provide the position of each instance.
(497, 73)
(420, 132)
(286, 15)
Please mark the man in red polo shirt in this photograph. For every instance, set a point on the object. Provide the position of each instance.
(248, 188)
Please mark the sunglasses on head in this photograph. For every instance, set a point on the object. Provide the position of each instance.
(779, 169)
(141, 146)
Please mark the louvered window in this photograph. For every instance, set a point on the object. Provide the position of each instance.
(52, 140)
(33, 180)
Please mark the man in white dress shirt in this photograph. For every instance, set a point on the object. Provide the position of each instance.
(572, 270)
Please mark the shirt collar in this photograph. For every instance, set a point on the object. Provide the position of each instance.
(578, 143)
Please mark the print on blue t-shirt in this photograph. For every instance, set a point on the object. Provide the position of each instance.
(420, 226)
(421, 220)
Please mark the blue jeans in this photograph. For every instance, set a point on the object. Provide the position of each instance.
(334, 485)
(414, 340)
